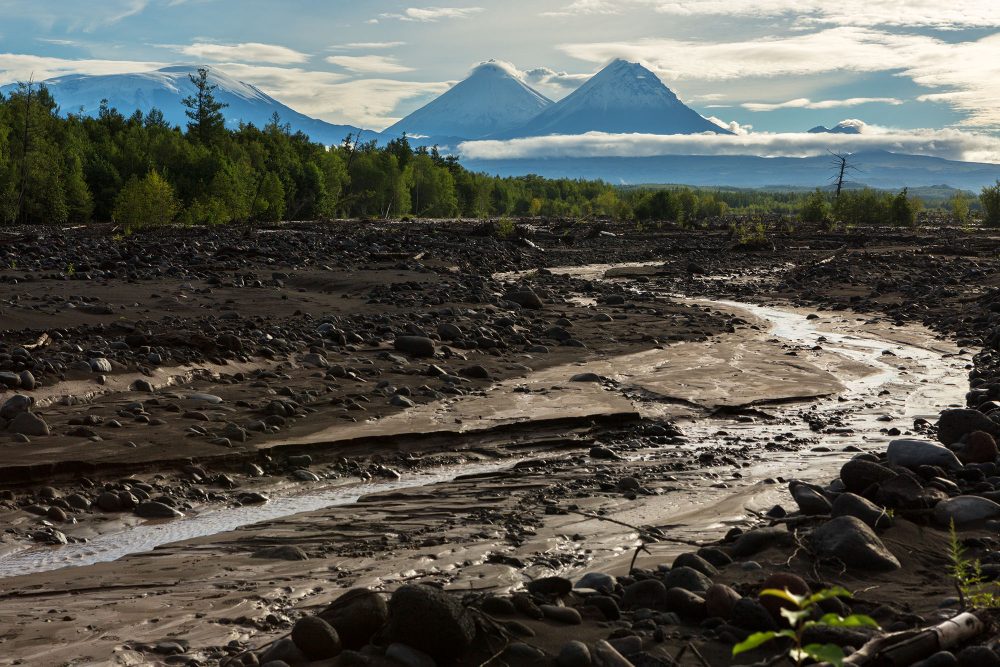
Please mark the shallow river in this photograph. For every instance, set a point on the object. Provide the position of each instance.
(864, 371)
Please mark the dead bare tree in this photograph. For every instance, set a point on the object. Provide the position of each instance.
(841, 161)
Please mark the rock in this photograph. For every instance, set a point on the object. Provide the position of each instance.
(850, 541)
(315, 360)
(417, 346)
(782, 581)
(645, 594)
(810, 501)
(27, 380)
(29, 424)
(720, 600)
(409, 656)
(566, 615)
(152, 509)
(587, 377)
(141, 385)
(9, 380)
(525, 298)
(283, 650)
(356, 616)
(430, 620)
(965, 509)
(750, 615)
(978, 447)
(449, 331)
(401, 401)
(859, 474)
(953, 424)
(687, 578)
(598, 581)
(476, 372)
(550, 586)
(911, 453)
(283, 552)
(939, 659)
(978, 656)
(755, 541)
(109, 502)
(574, 654)
(849, 504)
(606, 604)
(100, 365)
(305, 475)
(696, 562)
(603, 453)
(316, 638)
(686, 604)
(15, 405)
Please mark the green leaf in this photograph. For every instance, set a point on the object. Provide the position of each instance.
(784, 594)
(830, 653)
(852, 621)
(753, 641)
(827, 593)
(795, 616)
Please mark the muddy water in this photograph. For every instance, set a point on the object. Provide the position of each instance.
(152, 534)
(864, 377)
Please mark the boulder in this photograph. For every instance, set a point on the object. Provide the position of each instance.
(526, 298)
(850, 541)
(15, 405)
(417, 346)
(720, 600)
(687, 578)
(755, 541)
(152, 509)
(430, 620)
(574, 653)
(978, 447)
(356, 616)
(316, 638)
(28, 423)
(645, 594)
(911, 453)
(859, 474)
(849, 504)
(965, 509)
(953, 424)
(811, 501)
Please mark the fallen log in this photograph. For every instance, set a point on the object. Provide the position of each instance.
(905, 648)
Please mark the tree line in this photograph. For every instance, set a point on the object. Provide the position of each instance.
(139, 170)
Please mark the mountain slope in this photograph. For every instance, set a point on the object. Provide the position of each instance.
(165, 88)
(623, 97)
(490, 100)
(880, 169)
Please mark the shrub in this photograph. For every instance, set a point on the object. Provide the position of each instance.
(815, 208)
(990, 200)
(146, 202)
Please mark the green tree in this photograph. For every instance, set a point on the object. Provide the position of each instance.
(146, 202)
(204, 111)
(989, 198)
(959, 207)
(815, 208)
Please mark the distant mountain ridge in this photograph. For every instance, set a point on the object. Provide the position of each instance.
(164, 89)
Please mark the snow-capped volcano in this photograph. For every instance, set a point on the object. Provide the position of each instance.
(164, 89)
(849, 126)
(492, 99)
(623, 97)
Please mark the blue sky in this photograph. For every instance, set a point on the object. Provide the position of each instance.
(770, 65)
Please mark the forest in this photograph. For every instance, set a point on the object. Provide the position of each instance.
(138, 171)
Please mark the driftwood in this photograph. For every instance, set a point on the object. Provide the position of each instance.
(42, 341)
(905, 648)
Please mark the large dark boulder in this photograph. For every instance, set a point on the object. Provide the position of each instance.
(430, 620)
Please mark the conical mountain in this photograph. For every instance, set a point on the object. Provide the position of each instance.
(492, 99)
(623, 98)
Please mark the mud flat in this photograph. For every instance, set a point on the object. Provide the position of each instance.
(578, 413)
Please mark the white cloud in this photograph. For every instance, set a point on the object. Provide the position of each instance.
(366, 46)
(732, 125)
(253, 52)
(72, 14)
(431, 14)
(806, 103)
(369, 64)
(955, 14)
(946, 143)
(969, 72)
(20, 67)
(545, 76)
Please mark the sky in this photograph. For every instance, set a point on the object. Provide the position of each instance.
(912, 70)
